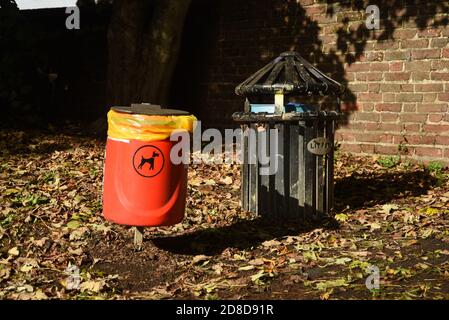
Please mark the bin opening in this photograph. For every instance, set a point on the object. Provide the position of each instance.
(289, 107)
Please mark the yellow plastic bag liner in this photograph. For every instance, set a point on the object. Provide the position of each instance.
(147, 127)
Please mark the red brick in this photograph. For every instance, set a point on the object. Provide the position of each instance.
(442, 140)
(418, 139)
(429, 97)
(420, 43)
(358, 87)
(436, 117)
(374, 56)
(412, 127)
(380, 66)
(445, 31)
(413, 117)
(389, 117)
(428, 152)
(396, 66)
(429, 33)
(409, 97)
(409, 107)
(350, 76)
(418, 66)
(426, 54)
(390, 107)
(386, 45)
(389, 97)
(426, 139)
(390, 87)
(397, 55)
(407, 88)
(366, 137)
(436, 128)
(345, 136)
(429, 87)
(439, 43)
(370, 97)
(369, 76)
(367, 148)
(372, 126)
(367, 107)
(368, 116)
(357, 67)
(419, 76)
(390, 127)
(446, 117)
(355, 148)
(432, 107)
(354, 126)
(446, 154)
(443, 96)
(374, 87)
(405, 33)
(385, 149)
(440, 65)
(397, 76)
(444, 76)
(445, 53)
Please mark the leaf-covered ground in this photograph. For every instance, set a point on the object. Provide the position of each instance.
(389, 214)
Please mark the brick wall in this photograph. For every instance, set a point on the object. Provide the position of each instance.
(397, 77)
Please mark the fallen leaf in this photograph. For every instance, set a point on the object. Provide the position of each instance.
(92, 286)
(199, 258)
(246, 268)
(388, 208)
(271, 243)
(14, 252)
(374, 226)
(73, 224)
(325, 285)
(5, 273)
(342, 261)
(228, 180)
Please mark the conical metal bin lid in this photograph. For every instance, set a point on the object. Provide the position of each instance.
(150, 110)
(289, 74)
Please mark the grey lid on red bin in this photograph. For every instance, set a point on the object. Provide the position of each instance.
(150, 110)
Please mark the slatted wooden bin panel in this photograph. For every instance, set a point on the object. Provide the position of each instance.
(302, 186)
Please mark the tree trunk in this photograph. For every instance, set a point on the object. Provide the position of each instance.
(144, 39)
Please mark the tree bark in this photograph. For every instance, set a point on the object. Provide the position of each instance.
(144, 38)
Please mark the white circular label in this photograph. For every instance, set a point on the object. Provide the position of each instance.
(320, 146)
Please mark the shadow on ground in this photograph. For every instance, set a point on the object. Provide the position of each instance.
(370, 189)
(354, 192)
(242, 235)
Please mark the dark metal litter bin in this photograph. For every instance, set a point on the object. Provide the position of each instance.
(302, 186)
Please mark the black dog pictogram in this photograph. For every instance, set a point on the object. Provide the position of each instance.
(148, 160)
(148, 154)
